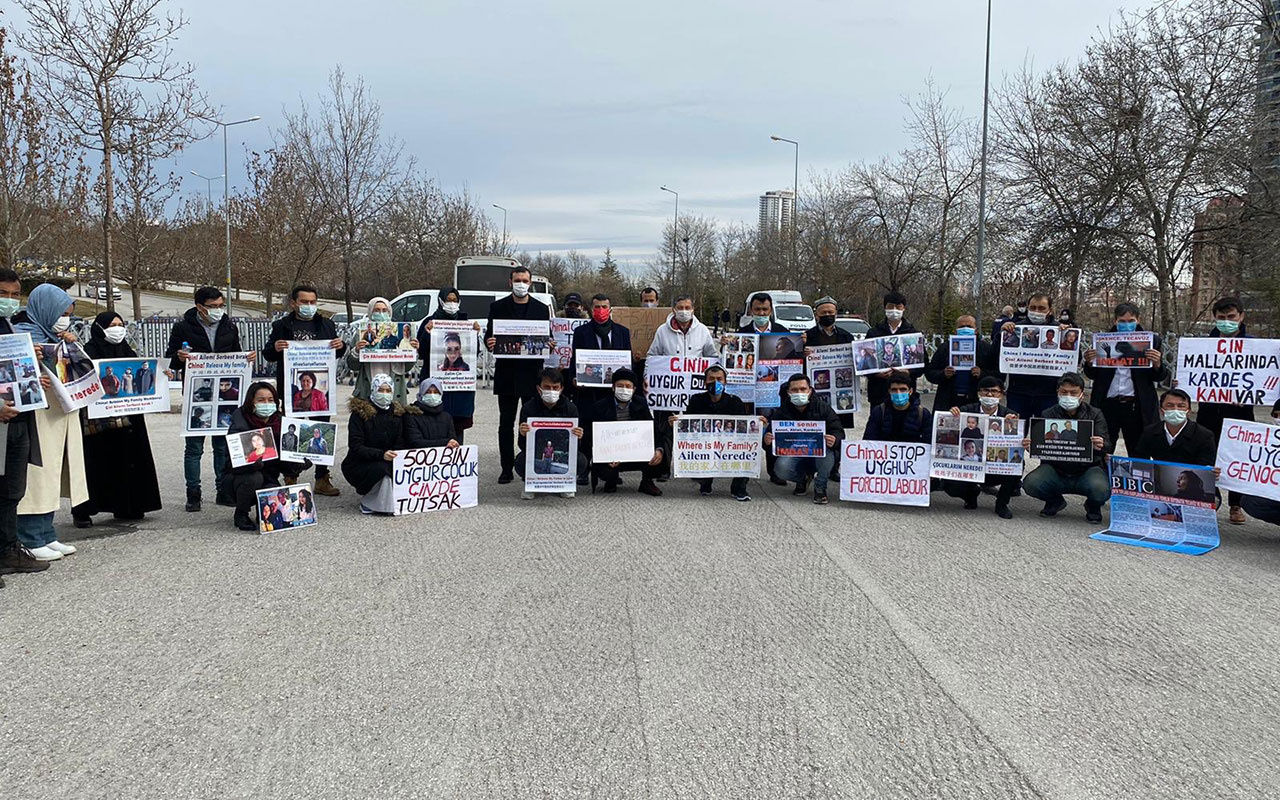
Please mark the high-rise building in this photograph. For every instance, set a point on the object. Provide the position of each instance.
(777, 210)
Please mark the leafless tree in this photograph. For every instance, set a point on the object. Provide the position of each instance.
(148, 248)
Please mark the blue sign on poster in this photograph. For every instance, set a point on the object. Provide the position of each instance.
(1162, 505)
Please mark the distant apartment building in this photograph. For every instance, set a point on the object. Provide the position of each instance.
(777, 210)
(1217, 263)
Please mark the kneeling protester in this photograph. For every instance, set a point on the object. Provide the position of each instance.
(623, 437)
(804, 432)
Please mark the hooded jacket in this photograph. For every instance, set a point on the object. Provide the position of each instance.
(425, 426)
(817, 409)
(669, 340)
(226, 338)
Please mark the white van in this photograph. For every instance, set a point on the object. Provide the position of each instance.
(789, 310)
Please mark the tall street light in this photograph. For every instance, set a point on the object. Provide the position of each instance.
(226, 194)
(504, 227)
(208, 186)
(982, 180)
(674, 225)
(795, 201)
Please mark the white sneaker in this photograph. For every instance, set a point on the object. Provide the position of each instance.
(526, 495)
(568, 494)
(45, 554)
(65, 549)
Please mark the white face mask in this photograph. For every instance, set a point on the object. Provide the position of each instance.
(520, 288)
(61, 324)
(450, 308)
(432, 399)
(306, 311)
(684, 315)
(624, 395)
(1175, 416)
(648, 304)
(115, 334)
(550, 396)
(800, 399)
(1274, 420)
(1038, 317)
(893, 314)
(988, 402)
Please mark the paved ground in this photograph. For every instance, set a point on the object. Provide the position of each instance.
(635, 648)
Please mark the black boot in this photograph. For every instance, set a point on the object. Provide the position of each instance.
(224, 498)
(243, 522)
(193, 500)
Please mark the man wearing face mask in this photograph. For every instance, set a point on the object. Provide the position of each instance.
(959, 387)
(1228, 313)
(762, 320)
(303, 323)
(990, 397)
(682, 336)
(1176, 437)
(1028, 394)
(901, 417)
(894, 323)
(800, 403)
(514, 379)
(716, 401)
(649, 297)
(204, 329)
(1264, 508)
(825, 333)
(601, 333)
(627, 404)
(1126, 396)
(1053, 479)
(550, 402)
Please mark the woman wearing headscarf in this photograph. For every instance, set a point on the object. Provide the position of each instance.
(432, 426)
(379, 312)
(374, 433)
(47, 318)
(117, 451)
(261, 409)
(460, 405)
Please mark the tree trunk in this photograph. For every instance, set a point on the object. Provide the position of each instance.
(108, 206)
(136, 292)
(346, 277)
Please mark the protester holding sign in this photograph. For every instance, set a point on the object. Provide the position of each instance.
(461, 406)
(827, 333)
(991, 404)
(120, 470)
(628, 405)
(426, 423)
(800, 403)
(602, 333)
(1126, 396)
(1053, 479)
(957, 385)
(1175, 437)
(893, 324)
(261, 409)
(514, 379)
(716, 401)
(378, 313)
(375, 431)
(901, 417)
(683, 335)
(1029, 394)
(550, 404)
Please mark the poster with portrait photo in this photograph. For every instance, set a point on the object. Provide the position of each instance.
(72, 373)
(252, 447)
(1069, 440)
(551, 455)
(738, 355)
(1162, 505)
(130, 386)
(212, 389)
(20, 373)
(286, 508)
(781, 355)
(308, 441)
(1039, 350)
(387, 342)
(900, 351)
(453, 354)
(959, 446)
(964, 352)
(596, 367)
(309, 379)
(830, 371)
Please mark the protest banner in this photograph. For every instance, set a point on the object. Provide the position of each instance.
(1123, 349)
(435, 479)
(738, 355)
(596, 367)
(1039, 350)
(72, 373)
(900, 351)
(387, 342)
(896, 473)
(562, 329)
(130, 386)
(308, 440)
(308, 379)
(830, 371)
(1230, 370)
(1062, 440)
(780, 355)
(20, 373)
(711, 446)
(521, 338)
(623, 442)
(453, 354)
(1249, 457)
(211, 391)
(802, 438)
(1162, 505)
(643, 324)
(252, 447)
(1005, 453)
(286, 508)
(551, 455)
(672, 380)
(972, 446)
(964, 352)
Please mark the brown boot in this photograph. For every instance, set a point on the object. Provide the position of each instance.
(325, 487)
(19, 559)
(1236, 516)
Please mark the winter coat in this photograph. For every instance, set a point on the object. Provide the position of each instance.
(1194, 444)
(189, 329)
(534, 407)
(917, 423)
(606, 410)
(696, 342)
(877, 387)
(1088, 413)
(460, 405)
(430, 427)
(946, 398)
(371, 432)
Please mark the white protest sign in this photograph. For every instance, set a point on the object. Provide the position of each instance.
(130, 386)
(562, 329)
(672, 380)
(1230, 370)
(453, 354)
(623, 442)
(896, 473)
(551, 455)
(707, 446)
(1039, 350)
(308, 379)
(973, 446)
(20, 373)
(521, 338)
(1249, 457)
(213, 391)
(596, 367)
(435, 479)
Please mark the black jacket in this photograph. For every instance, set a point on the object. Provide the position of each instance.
(1030, 385)
(917, 423)
(877, 387)
(606, 410)
(946, 398)
(424, 337)
(1084, 412)
(774, 327)
(816, 337)
(584, 338)
(534, 407)
(817, 409)
(292, 329)
(1145, 382)
(1194, 444)
(516, 377)
(27, 419)
(273, 468)
(729, 404)
(430, 427)
(371, 432)
(190, 330)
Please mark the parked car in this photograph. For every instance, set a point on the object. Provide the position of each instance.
(854, 325)
(99, 290)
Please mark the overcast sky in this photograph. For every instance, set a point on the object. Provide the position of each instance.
(572, 113)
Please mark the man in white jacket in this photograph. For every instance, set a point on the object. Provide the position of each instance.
(682, 334)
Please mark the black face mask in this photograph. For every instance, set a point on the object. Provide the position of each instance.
(826, 321)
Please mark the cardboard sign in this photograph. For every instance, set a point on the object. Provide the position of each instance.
(130, 386)
(713, 446)
(896, 473)
(672, 380)
(1249, 457)
(1230, 370)
(1039, 350)
(643, 324)
(435, 479)
(1162, 505)
(308, 379)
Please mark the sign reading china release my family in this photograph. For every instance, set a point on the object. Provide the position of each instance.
(1162, 505)
(453, 354)
(130, 386)
(1039, 350)
(435, 479)
(896, 473)
(1249, 457)
(308, 370)
(830, 370)
(672, 380)
(710, 446)
(1231, 369)
(212, 391)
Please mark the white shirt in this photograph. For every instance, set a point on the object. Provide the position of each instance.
(1121, 384)
(1172, 436)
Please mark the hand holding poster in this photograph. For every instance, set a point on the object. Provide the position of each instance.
(896, 473)
(308, 440)
(435, 479)
(964, 352)
(1123, 349)
(802, 438)
(551, 455)
(1039, 350)
(130, 386)
(1249, 457)
(622, 442)
(74, 377)
(20, 373)
(308, 387)
(453, 354)
(707, 446)
(212, 391)
(1162, 505)
(672, 380)
(387, 342)
(830, 370)
(596, 367)
(252, 447)
(1231, 369)
(286, 508)
(562, 329)
(901, 351)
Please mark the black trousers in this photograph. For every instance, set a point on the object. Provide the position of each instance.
(1212, 415)
(738, 486)
(1123, 416)
(970, 491)
(608, 474)
(13, 485)
(508, 411)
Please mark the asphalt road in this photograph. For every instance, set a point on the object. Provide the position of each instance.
(627, 647)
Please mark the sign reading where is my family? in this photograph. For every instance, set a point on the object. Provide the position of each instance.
(714, 446)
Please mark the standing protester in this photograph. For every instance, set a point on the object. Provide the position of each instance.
(683, 335)
(894, 323)
(379, 312)
(514, 379)
(960, 387)
(1029, 394)
(573, 307)
(990, 402)
(762, 321)
(204, 329)
(461, 406)
(1229, 315)
(375, 432)
(1126, 396)
(19, 451)
(601, 333)
(304, 323)
(1175, 437)
(800, 403)
(1053, 479)
(117, 451)
(550, 402)
(260, 409)
(825, 333)
(626, 405)
(901, 417)
(716, 401)
(432, 426)
(58, 434)
(648, 297)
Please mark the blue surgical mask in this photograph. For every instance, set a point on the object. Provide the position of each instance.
(8, 306)
(761, 321)
(306, 311)
(380, 316)
(1228, 326)
(900, 399)
(965, 331)
(264, 410)
(1127, 327)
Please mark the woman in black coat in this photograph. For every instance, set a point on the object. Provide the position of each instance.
(460, 406)
(432, 426)
(261, 409)
(118, 464)
(374, 433)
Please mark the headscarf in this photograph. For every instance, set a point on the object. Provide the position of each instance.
(98, 346)
(427, 384)
(374, 302)
(440, 312)
(378, 380)
(44, 305)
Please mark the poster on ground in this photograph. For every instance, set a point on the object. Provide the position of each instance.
(453, 354)
(1162, 505)
(551, 455)
(896, 473)
(1112, 350)
(672, 380)
(973, 446)
(1230, 370)
(303, 440)
(286, 508)
(711, 446)
(212, 390)
(387, 342)
(130, 386)
(1068, 440)
(308, 379)
(963, 354)
(596, 367)
(252, 447)
(622, 442)
(801, 438)
(1039, 350)
(435, 479)
(72, 372)
(830, 371)
(1249, 457)
(900, 351)
(20, 373)
(521, 338)
(562, 329)
(781, 355)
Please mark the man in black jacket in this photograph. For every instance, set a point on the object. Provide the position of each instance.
(1126, 396)
(959, 387)
(204, 329)
(893, 324)
(1053, 479)
(626, 405)
(991, 403)
(514, 379)
(1029, 394)
(716, 401)
(303, 323)
(827, 333)
(550, 402)
(1228, 313)
(800, 403)
(1175, 438)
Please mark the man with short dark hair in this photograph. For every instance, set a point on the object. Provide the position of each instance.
(649, 297)
(990, 403)
(716, 401)
(762, 321)
(826, 333)
(628, 405)
(601, 333)
(800, 403)
(1028, 394)
(901, 417)
(893, 324)
(1176, 437)
(1053, 479)
(550, 402)
(514, 379)
(1126, 396)
(1228, 314)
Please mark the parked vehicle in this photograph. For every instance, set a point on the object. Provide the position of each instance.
(99, 290)
(854, 325)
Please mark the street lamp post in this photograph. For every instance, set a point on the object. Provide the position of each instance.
(226, 194)
(208, 186)
(795, 202)
(982, 180)
(504, 227)
(675, 224)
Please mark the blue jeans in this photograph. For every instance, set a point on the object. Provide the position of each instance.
(194, 452)
(797, 468)
(1047, 484)
(36, 530)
